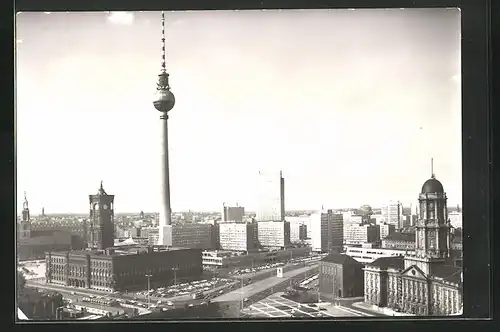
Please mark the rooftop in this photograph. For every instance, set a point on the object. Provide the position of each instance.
(119, 251)
(396, 262)
(340, 259)
(449, 273)
(398, 236)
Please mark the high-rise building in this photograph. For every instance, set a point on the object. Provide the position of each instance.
(232, 213)
(392, 213)
(298, 232)
(271, 197)
(274, 234)
(360, 234)
(385, 230)
(101, 229)
(237, 236)
(327, 232)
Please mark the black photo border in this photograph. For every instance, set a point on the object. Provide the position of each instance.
(476, 146)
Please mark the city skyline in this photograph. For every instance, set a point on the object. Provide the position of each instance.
(409, 112)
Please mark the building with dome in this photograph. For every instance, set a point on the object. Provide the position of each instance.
(425, 282)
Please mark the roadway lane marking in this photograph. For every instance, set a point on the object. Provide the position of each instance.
(359, 313)
(296, 308)
(261, 311)
(348, 311)
(278, 310)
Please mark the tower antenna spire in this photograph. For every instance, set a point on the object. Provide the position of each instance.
(432, 168)
(25, 199)
(163, 58)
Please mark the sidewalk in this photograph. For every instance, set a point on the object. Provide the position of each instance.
(379, 310)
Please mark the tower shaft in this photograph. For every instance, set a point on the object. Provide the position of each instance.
(166, 211)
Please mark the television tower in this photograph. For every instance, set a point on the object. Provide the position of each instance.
(164, 102)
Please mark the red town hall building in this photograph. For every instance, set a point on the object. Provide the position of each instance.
(426, 283)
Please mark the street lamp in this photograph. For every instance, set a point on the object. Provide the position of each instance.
(149, 295)
(175, 269)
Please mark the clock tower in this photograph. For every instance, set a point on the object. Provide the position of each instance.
(432, 234)
(101, 232)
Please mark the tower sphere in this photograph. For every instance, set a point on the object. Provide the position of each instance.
(164, 100)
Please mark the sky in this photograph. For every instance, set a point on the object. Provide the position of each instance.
(350, 104)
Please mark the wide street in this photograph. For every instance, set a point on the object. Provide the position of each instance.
(261, 285)
(276, 306)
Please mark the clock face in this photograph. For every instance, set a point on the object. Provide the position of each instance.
(105, 207)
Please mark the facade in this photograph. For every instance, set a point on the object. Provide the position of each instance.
(232, 213)
(368, 255)
(122, 269)
(273, 234)
(359, 234)
(237, 236)
(101, 229)
(196, 236)
(392, 214)
(385, 230)
(340, 275)
(425, 282)
(399, 240)
(271, 196)
(151, 233)
(327, 232)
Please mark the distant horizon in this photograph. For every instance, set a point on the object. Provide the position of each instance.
(350, 104)
(79, 214)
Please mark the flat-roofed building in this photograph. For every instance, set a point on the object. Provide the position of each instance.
(359, 234)
(232, 213)
(274, 234)
(237, 236)
(122, 268)
(327, 231)
(368, 255)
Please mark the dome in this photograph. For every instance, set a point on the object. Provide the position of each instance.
(432, 186)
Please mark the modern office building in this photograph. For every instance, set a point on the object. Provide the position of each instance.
(237, 236)
(232, 213)
(327, 232)
(359, 234)
(392, 213)
(298, 232)
(385, 230)
(271, 197)
(274, 234)
(122, 268)
(369, 255)
(427, 282)
(195, 236)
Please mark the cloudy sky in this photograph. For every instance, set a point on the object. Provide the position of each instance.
(351, 105)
